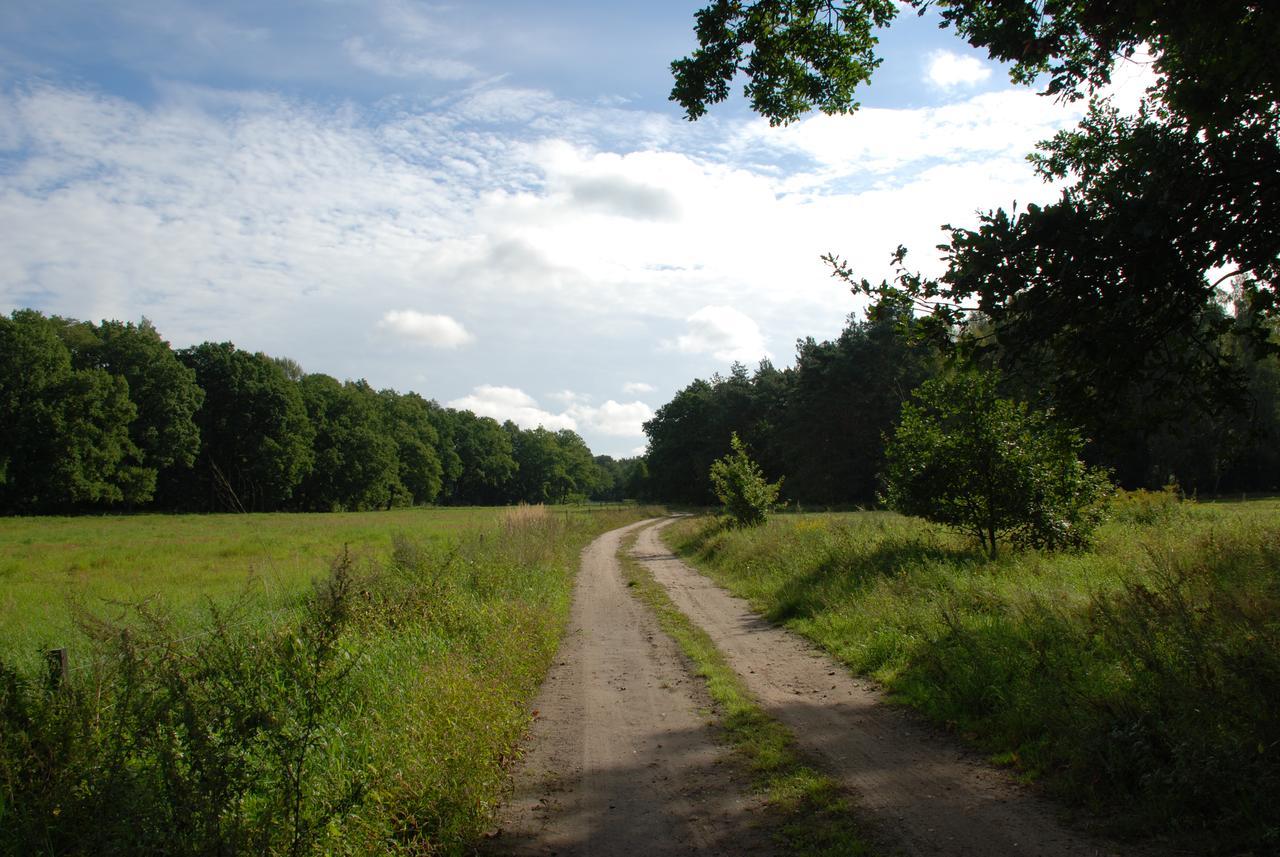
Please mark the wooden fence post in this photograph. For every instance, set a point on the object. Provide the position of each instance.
(56, 660)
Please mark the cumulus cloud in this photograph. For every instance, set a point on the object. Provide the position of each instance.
(512, 403)
(438, 331)
(615, 419)
(723, 332)
(951, 70)
(636, 388)
(567, 397)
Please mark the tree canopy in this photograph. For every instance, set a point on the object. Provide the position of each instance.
(108, 416)
(991, 467)
(1109, 292)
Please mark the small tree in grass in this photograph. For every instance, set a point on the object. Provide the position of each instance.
(741, 487)
(992, 468)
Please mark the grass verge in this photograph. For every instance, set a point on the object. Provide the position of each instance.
(814, 817)
(1136, 680)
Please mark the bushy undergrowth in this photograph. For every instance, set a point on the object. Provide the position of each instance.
(1139, 680)
(378, 718)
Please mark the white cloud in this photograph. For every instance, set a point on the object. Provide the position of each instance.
(1131, 77)
(616, 419)
(883, 143)
(951, 70)
(439, 331)
(567, 397)
(723, 332)
(636, 388)
(512, 403)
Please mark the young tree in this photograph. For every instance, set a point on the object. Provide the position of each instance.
(991, 467)
(747, 496)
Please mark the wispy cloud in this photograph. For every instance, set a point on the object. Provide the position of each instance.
(538, 220)
(402, 62)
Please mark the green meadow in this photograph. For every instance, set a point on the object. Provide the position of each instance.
(53, 569)
(1137, 680)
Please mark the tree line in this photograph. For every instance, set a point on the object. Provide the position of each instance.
(823, 423)
(110, 417)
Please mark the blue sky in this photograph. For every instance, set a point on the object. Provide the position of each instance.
(492, 204)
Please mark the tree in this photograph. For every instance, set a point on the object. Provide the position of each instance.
(256, 440)
(486, 465)
(355, 465)
(739, 485)
(991, 467)
(409, 420)
(1213, 58)
(844, 396)
(1155, 205)
(64, 432)
(585, 476)
(163, 390)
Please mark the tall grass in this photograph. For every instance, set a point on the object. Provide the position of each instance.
(1138, 680)
(378, 716)
(53, 568)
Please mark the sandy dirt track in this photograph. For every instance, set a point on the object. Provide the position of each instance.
(621, 759)
(923, 795)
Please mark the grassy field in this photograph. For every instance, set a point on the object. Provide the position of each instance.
(1137, 680)
(52, 569)
(269, 691)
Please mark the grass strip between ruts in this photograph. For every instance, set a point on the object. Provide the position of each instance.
(811, 814)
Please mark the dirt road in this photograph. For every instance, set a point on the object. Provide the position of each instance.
(621, 760)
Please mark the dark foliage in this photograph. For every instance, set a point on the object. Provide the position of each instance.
(108, 416)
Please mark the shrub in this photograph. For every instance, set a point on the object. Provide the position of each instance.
(747, 496)
(212, 744)
(991, 467)
(1144, 507)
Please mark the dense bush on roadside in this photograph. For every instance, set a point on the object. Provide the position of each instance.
(1138, 679)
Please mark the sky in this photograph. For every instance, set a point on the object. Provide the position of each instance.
(493, 205)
